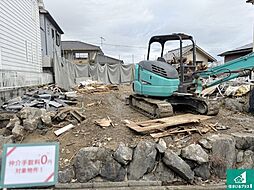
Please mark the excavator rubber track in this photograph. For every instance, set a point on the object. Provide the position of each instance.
(197, 104)
(213, 107)
(152, 108)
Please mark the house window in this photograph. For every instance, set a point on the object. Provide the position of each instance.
(53, 33)
(81, 55)
(57, 39)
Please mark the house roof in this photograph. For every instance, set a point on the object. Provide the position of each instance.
(186, 49)
(51, 19)
(243, 49)
(78, 45)
(107, 59)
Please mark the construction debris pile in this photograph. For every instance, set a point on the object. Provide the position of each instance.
(227, 90)
(49, 97)
(90, 86)
(39, 110)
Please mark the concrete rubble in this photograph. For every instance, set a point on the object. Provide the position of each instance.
(39, 109)
(49, 97)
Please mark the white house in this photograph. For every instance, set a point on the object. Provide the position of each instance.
(20, 45)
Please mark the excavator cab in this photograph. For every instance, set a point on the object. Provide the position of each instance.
(161, 79)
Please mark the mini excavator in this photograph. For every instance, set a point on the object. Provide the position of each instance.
(160, 86)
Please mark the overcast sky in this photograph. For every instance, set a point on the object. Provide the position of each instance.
(216, 25)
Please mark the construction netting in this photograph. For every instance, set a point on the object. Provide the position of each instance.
(67, 74)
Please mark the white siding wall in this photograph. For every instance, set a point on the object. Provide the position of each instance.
(20, 43)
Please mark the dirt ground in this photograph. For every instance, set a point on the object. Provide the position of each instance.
(112, 104)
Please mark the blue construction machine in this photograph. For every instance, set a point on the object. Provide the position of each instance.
(160, 86)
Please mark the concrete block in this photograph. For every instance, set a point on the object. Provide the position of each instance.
(144, 183)
(109, 184)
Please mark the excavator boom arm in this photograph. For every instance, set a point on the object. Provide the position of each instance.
(232, 69)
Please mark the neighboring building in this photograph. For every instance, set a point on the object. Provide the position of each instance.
(250, 1)
(103, 59)
(50, 38)
(202, 57)
(80, 52)
(20, 45)
(236, 53)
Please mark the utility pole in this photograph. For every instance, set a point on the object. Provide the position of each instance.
(253, 40)
(102, 39)
(132, 56)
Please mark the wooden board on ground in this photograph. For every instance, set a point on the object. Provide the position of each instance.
(163, 123)
(63, 129)
(167, 133)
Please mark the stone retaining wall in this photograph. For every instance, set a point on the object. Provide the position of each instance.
(150, 161)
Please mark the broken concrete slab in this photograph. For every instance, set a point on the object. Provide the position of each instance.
(71, 95)
(40, 98)
(6, 116)
(30, 112)
(178, 165)
(46, 118)
(31, 124)
(196, 153)
(55, 104)
(18, 131)
(14, 121)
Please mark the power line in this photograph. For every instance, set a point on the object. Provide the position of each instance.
(120, 45)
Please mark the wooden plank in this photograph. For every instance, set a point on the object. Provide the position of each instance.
(167, 122)
(148, 124)
(165, 119)
(165, 125)
(132, 125)
(63, 129)
(167, 133)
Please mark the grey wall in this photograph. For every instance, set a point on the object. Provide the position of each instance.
(48, 45)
